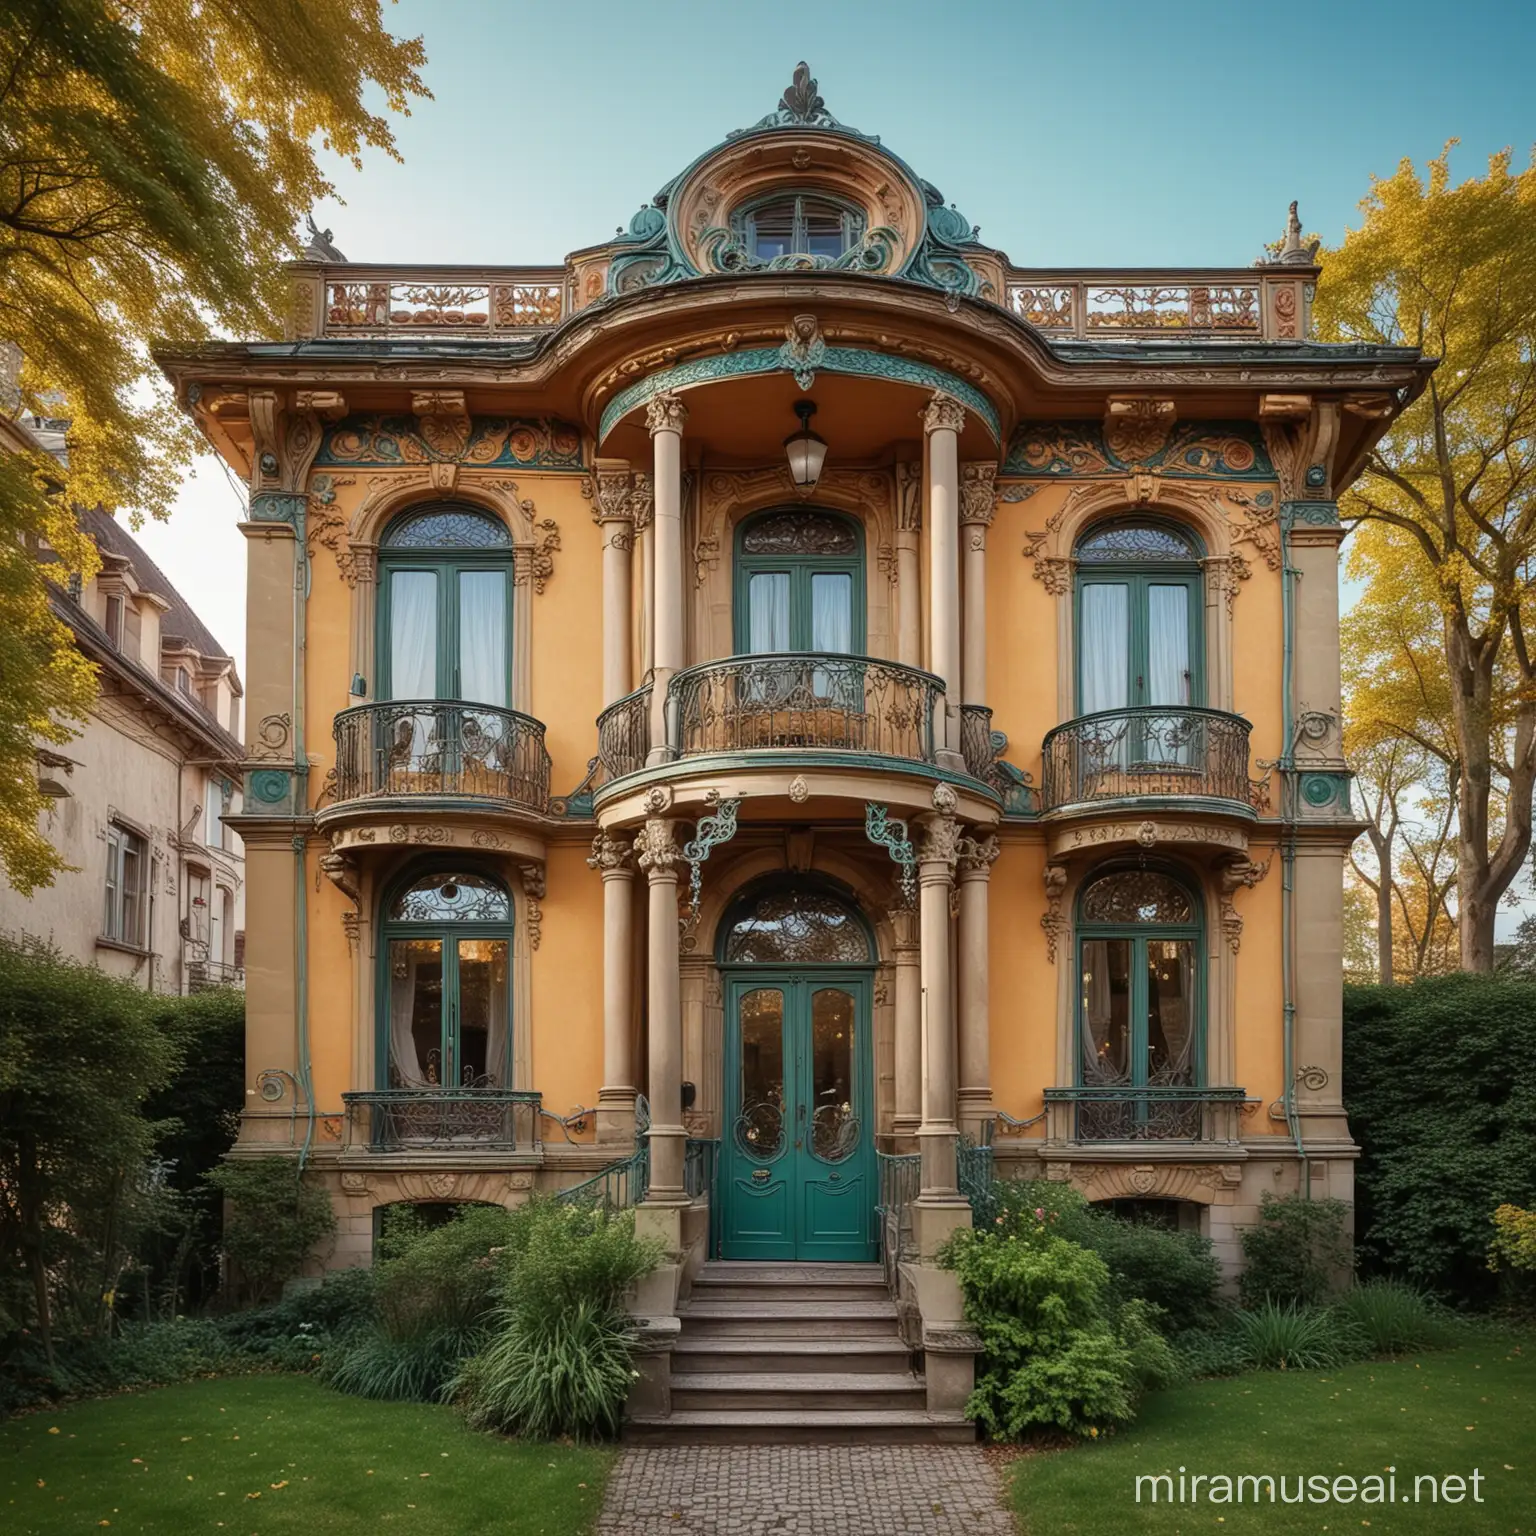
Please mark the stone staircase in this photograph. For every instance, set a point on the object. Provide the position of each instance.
(794, 1353)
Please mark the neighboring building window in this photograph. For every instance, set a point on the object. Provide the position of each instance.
(213, 836)
(218, 925)
(445, 627)
(127, 874)
(1139, 606)
(184, 681)
(800, 575)
(446, 1008)
(114, 624)
(197, 905)
(1140, 968)
(801, 225)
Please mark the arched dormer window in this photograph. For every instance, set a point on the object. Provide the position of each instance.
(1140, 1013)
(444, 1006)
(804, 224)
(1138, 608)
(445, 607)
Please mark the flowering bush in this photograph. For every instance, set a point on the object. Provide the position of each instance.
(1514, 1240)
(1056, 1353)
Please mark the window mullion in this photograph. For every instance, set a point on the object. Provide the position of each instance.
(1139, 1005)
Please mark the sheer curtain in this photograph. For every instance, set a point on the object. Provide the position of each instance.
(1104, 635)
(405, 1068)
(1168, 671)
(413, 635)
(497, 1068)
(768, 612)
(483, 637)
(832, 633)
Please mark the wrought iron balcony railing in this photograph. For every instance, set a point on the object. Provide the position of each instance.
(1115, 1112)
(798, 701)
(1125, 754)
(624, 733)
(431, 747)
(392, 1119)
(203, 975)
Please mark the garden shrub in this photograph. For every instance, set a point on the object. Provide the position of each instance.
(1395, 1318)
(1514, 1240)
(299, 1331)
(560, 1357)
(434, 1292)
(1054, 1355)
(1298, 1251)
(274, 1218)
(1176, 1271)
(1440, 1086)
(1284, 1336)
(1215, 1350)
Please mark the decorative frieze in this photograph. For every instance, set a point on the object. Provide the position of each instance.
(1196, 450)
(456, 437)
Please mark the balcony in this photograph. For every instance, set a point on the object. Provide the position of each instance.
(1149, 753)
(414, 748)
(1115, 1112)
(800, 702)
(624, 733)
(447, 1119)
(207, 975)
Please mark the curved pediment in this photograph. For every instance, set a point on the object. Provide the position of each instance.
(801, 192)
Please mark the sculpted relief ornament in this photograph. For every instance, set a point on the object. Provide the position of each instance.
(1053, 922)
(1236, 875)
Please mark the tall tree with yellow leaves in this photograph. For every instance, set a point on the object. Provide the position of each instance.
(154, 158)
(1446, 506)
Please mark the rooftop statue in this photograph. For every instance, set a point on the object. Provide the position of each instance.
(319, 246)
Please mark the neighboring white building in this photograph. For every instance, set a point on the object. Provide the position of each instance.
(137, 799)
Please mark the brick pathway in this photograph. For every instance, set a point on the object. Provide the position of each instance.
(804, 1490)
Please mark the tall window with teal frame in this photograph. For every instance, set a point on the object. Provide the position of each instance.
(444, 998)
(445, 610)
(1139, 609)
(799, 583)
(1140, 1020)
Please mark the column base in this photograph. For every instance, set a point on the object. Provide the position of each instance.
(616, 1117)
(668, 1156)
(974, 1110)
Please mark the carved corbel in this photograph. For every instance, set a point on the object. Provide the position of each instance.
(342, 872)
(1052, 921)
(1235, 875)
(531, 878)
(328, 404)
(286, 441)
(1302, 446)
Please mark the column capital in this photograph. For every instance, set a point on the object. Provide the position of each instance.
(612, 856)
(642, 501)
(666, 413)
(658, 850)
(612, 492)
(977, 855)
(940, 849)
(943, 413)
(978, 492)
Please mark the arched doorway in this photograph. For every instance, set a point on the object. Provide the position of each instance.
(798, 1175)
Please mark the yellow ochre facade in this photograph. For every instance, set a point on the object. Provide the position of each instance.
(612, 773)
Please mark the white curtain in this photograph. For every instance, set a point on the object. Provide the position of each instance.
(413, 635)
(1104, 635)
(483, 637)
(406, 1069)
(497, 1067)
(768, 612)
(1168, 645)
(832, 612)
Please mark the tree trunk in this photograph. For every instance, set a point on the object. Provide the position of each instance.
(33, 1227)
(1381, 845)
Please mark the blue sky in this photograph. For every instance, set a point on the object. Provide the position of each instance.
(1103, 133)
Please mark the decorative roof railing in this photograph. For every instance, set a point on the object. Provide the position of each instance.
(1269, 303)
(1243, 303)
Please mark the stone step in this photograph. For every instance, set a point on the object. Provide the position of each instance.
(883, 1353)
(800, 1427)
(788, 1318)
(794, 1391)
(708, 1287)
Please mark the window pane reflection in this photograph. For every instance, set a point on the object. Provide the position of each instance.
(415, 1013)
(1106, 983)
(482, 1042)
(834, 1125)
(1170, 1010)
(760, 1127)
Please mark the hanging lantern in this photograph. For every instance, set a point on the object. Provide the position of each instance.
(807, 452)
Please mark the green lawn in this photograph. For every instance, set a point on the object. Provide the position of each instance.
(1435, 1414)
(283, 1454)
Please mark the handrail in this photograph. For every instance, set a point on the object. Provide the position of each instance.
(1147, 750)
(624, 733)
(440, 747)
(618, 1187)
(804, 700)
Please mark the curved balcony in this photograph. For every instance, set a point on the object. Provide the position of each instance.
(408, 748)
(1152, 753)
(624, 733)
(804, 702)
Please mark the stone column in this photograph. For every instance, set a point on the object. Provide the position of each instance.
(364, 608)
(643, 502)
(909, 574)
(612, 857)
(942, 421)
(977, 855)
(909, 1026)
(978, 503)
(659, 858)
(665, 416)
(935, 872)
(614, 515)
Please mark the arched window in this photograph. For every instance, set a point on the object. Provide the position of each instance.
(1139, 613)
(445, 1003)
(800, 583)
(1140, 1015)
(795, 925)
(445, 610)
(799, 224)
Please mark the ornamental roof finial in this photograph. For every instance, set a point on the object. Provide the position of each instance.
(801, 101)
(1293, 253)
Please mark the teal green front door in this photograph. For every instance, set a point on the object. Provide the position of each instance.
(798, 1180)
